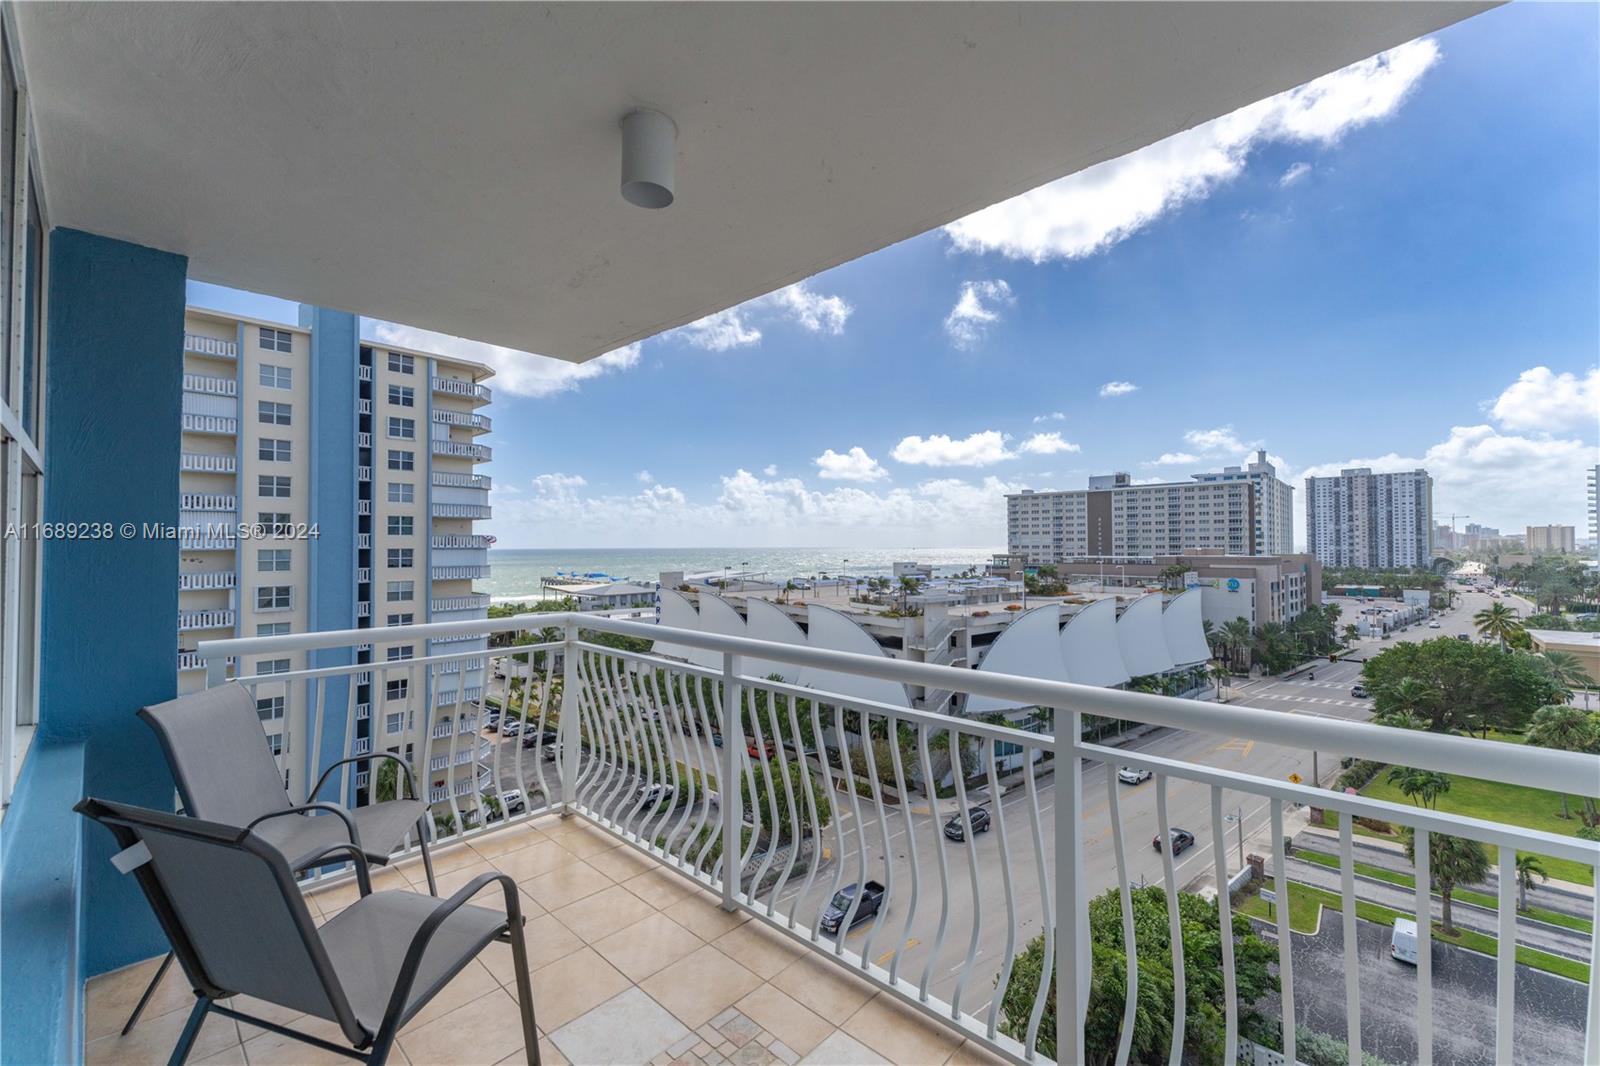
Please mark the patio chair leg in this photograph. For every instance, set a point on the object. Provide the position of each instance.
(150, 990)
(427, 860)
(191, 1029)
(519, 962)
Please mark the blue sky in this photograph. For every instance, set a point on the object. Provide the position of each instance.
(1396, 266)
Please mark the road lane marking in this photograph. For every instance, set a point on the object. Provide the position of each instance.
(883, 959)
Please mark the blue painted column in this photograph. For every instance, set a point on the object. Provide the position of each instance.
(108, 632)
(335, 348)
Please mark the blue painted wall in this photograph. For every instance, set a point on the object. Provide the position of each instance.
(335, 346)
(112, 395)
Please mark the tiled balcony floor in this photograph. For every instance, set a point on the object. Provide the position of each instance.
(631, 964)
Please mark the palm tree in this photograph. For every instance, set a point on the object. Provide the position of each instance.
(1528, 867)
(1236, 636)
(1452, 861)
(1565, 728)
(1497, 621)
(1218, 673)
(1422, 787)
(1566, 670)
(1352, 633)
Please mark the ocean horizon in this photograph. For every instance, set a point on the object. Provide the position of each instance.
(516, 572)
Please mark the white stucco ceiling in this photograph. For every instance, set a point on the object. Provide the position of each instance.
(455, 166)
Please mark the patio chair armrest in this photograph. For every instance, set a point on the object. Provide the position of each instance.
(405, 768)
(359, 857)
(344, 816)
(419, 942)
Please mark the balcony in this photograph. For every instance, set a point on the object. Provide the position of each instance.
(476, 601)
(210, 385)
(914, 982)
(217, 425)
(208, 501)
(460, 387)
(363, 473)
(478, 453)
(458, 573)
(195, 581)
(196, 344)
(215, 537)
(461, 510)
(462, 481)
(460, 540)
(206, 463)
(476, 423)
(189, 621)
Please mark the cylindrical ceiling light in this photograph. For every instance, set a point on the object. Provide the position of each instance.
(649, 145)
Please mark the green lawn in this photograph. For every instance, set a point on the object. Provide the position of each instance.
(1306, 903)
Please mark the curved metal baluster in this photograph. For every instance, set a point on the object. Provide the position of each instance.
(1005, 874)
(813, 827)
(544, 724)
(860, 833)
(695, 797)
(702, 747)
(450, 754)
(713, 837)
(635, 723)
(781, 748)
(838, 827)
(747, 773)
(944, 865)
(616, 758)
(1285, 945)
(958, 773)
(661, 742)
(770, 791)
(1180, 995)
(1047, 901)
(1219, 856)
(902, 945)
(871, 759)
(1130, 942)
(595, 770)
(631, 754)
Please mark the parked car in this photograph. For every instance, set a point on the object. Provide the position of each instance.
(1433, 625)
(1359, 691)
(980, 823)
(1403, 941)
(513, 802)
(492, 724)
(530, 738)
(1463, 636)
(1182, 840)
(511, 728)
(1128, 775)
(755, 753)
(839, 906)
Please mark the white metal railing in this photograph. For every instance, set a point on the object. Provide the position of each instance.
(462, 481)
(218, 619)
(834, 790)
(363, 406)
(212, 346)
(363, 575)
(459, 387)
(481, 423)
(196, 580)
(217, 424)
(210, 384)
(481, 453)
(363, 473)
(364, 373)
(460, 540)
(363, 439)
(363, 507)
(205, 463)
(458, 573)
(208, 501)
(476, 601)
(462, 510)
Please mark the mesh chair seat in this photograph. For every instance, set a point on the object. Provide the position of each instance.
(367, 943)
(381, 826)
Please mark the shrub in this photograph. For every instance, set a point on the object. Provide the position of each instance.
(1360, 774)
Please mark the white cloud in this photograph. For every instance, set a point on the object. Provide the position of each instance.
(1118, 388)
(1218, 441)
(1296, 173)
(979, 449)
(1092, 210)
(976, 309)
(644, 477)
(1174, 459)
(517, 373)
(737, 327)
(771, 470)
(1053, 416)
(854, 465)
(1547, 402)
(1047, 444)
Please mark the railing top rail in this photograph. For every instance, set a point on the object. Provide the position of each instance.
(1570, 772)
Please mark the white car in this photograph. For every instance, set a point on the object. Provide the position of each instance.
(1433, 625)
(1130, 776)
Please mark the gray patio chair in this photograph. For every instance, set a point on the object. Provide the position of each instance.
(226, 773)
(228, 902)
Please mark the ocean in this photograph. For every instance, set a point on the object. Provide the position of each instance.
(516, 572)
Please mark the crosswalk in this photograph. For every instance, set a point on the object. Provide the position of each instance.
(1293, 698)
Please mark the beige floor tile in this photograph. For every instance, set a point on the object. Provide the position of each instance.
(504, 841)
(660, 888)
(597, 916)
(266, 1011)
(627, 1028)
(900, 1034)
(536, 859)
(485, 1030)
(647, 946)
(449, 882)
(824, 987)
(764, 951)
(333, 900)
(229, 1056)
(109, 998)
(570, 986)
(841, 1049)
(586, 841)
(153, 1039)
(547, 939)
(566, 884)
(785, 1019)
(970, 1054)
(700, 913)
(700, 986)
(273, 1049)
(473, 981)
(446, 857)
(620, 864)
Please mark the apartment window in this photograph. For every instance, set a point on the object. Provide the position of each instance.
(402, 492)
(271, 450)
(399, 654)
(272, 598)
(276, 377)
(273, 486)
(402, 591)
(401, 364)
(402, 395)
(269, 708)
(275, 743)
(401, 525)
(396, 722)
(272, 629)
(272, 560)
(403, 428)
(396, 690)
(401, 619)
(273, 523)
(400, 558)
(272, 666)
(272, 413)
(276, 340)
(399, 459)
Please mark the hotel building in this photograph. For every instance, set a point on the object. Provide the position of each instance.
(1379, 521)
(1234, 511)
(1552, 539)
(327, 482)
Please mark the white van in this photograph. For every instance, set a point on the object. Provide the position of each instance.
(1403, 941)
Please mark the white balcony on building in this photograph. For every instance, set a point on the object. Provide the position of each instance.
(210, 385)
(461, 510)
(207, 463)
(458, 387)
(195, 581)
(475, 423)
(215, 348)
(190, 621)
(215, 425)
(458, 573)
(476, 601)
(446, 479)
(478, 453)
(460, 540)
(208, 502)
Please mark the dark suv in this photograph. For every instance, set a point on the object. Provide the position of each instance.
(980, 823)
(1182, 840)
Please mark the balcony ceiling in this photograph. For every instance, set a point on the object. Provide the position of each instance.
(455, 167)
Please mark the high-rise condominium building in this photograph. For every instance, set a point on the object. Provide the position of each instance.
(1234, 511)
(327, 483)
(1380, 521)
(1552, 539)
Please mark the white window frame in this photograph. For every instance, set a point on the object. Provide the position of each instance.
(273, 486)
(273, 560)
(274, 593)
(274, 413)
(402, 428)
(407, 460)
(400, 363)
(402, 492)
(276, 340)
(274, 450)
(402, 395)
(272, 376)
(400, 525)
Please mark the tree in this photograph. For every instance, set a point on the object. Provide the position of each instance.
(1152, 1034)
(387, 781)
(1564, 728)
(1528, 867)
(1218, 673)
(1566, 670)
(1422, 787)
(1452, 861)
(1236, 637)
(1352, 633)
(1465, 684)
(1497, 621)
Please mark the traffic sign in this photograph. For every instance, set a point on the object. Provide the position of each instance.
(1294, 779)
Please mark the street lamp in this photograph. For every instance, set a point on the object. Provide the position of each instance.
(1238, 817)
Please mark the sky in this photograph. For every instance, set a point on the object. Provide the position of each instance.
(1395, 266)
